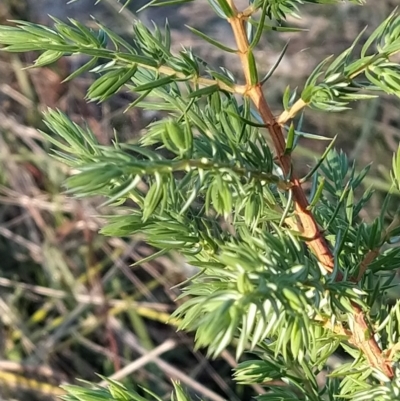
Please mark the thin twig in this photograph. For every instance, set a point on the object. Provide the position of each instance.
(142, 361)
(88, 299)
(167, 368)
(375, 252)
(292, 112)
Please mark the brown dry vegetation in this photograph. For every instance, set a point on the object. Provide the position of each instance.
(71, 304)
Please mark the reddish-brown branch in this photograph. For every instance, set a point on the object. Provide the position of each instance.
(375, 252)
(310, 229)
(361, 337)
(368, 259)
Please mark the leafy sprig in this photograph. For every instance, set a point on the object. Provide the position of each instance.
(287, 277)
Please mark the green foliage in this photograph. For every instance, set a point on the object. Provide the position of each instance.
(117, 392)
(341, 83)
(211, 188)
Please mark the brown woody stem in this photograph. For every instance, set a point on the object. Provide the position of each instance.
(361, 335)
(375, 252)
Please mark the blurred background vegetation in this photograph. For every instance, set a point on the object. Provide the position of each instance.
(71, 303)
